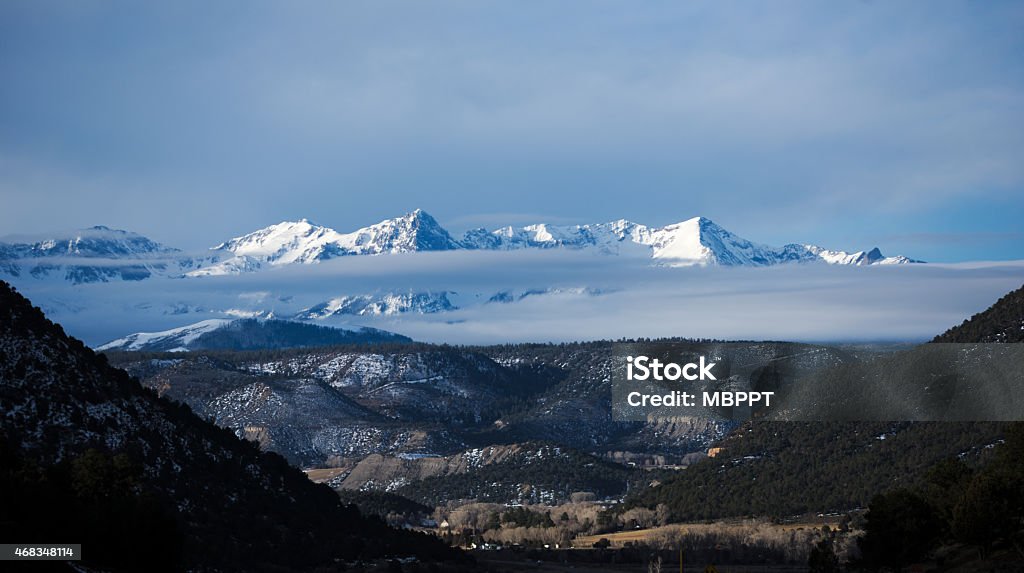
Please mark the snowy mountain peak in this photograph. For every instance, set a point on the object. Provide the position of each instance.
(95, 254)
(304, 242)
(286, 242)
(98, 241)
(859, 258)
(699, 241)
(415, 231)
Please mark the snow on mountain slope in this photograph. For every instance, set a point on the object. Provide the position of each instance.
(860, 258)
(508, 296)
(94, 242)
(693, 242)
(699, 241)
(232, 266)
(416, 231)
(380, 304)
(606, 237)
(96, 254)
(287, 242)
(540, 236)
(101, 254)
(173, 340)
(304, 242)
(249, 334)
(897, 260)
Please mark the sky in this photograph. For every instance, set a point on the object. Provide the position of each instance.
(849, 125)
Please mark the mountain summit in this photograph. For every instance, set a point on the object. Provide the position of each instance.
(305, 242)
(82, 256)
(416, 231)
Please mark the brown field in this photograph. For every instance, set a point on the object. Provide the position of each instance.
(620, 538)
(508, 563)
(504, 562)
(322, 475)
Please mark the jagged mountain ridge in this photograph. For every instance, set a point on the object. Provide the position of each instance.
(390, 303)
(696, 241)
(85, 256)
(94, 242)
(304, 242)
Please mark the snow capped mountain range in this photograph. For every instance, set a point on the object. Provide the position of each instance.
(109, 282)
(129, 256)
(304, 242)
(697, 241)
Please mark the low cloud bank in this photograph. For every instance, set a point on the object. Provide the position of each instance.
(589, 297)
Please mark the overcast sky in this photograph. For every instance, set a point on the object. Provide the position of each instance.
(847, 124)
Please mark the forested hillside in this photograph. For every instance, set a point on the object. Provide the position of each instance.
(780, 469)
(930, 487)
(1001, 322)
(90, 455)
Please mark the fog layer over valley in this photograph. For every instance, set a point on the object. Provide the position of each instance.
(482, 297)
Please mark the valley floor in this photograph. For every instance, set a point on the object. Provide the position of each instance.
(511, 562)
(646, 536)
